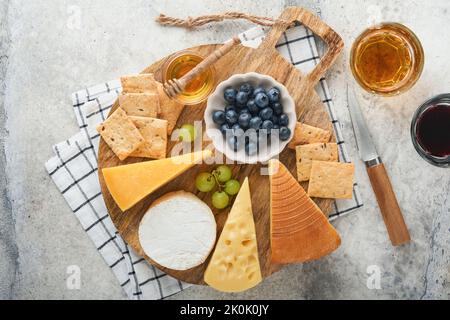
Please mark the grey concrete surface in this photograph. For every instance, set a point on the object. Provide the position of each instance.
(45, 55)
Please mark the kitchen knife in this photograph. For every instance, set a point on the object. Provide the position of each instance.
(390, 210)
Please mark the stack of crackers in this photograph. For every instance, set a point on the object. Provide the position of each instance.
(318, 163)
(145, 118)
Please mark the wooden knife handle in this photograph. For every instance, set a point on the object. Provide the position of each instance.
(392, 215)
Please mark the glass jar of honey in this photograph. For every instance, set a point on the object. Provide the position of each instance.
(387, 59)
(200, 87)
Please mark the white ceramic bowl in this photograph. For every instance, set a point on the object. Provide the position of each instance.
(217, 102)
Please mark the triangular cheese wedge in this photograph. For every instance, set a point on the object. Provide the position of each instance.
(234, 266)
(300, 232)
(129, 184)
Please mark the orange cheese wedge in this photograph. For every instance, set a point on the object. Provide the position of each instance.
(300, 232)
(131, 183)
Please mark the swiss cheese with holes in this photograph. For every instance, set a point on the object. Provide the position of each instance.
(234, 266)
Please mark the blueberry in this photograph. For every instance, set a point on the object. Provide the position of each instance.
(284, 120)
(258, 90)
(266, 114)
(263, 139)
(251, 148)
(285, 133)
(235, 143)
(267, 125)
(255, 123)
(230, 95)
(236, 127)
(274, 95)
(262, 100)
(275, 119)
(277, 108)
(231, 117)
(244, 120)
(244, 110)
(238, 131)
(230, 107)
(247, 88)
(219, 117)
(241, 98)
(276, 127)
(224, 128)
(252, 107)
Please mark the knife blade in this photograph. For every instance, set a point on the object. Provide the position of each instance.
(364, 142)
(379, 179)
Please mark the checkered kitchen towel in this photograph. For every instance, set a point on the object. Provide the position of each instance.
(74, 171)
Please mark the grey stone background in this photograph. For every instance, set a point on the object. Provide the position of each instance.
(43, 59)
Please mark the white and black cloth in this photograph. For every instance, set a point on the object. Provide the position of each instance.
(74, 171)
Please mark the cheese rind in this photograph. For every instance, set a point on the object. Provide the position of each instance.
(234, 266)
(300, 232)
(131, 183)
(178, 231)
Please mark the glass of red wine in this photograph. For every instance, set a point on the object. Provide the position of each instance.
(430, 130)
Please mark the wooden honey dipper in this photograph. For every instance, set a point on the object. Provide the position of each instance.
(175, 87)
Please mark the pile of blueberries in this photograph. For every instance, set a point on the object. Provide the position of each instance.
(255, 109)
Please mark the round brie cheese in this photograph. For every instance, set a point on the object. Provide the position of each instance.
(178, 232)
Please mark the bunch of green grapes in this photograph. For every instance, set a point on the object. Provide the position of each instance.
(222, 178)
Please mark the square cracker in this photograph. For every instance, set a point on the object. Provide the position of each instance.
(120, 134)
(332, 180)
(170, 109)
(306, 134)
(316, 151)
(154, 132)
(140, 104)
(140, 83)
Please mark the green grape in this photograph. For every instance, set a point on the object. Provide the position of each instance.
(232, 187)
(220, 200)
(223, 173)
(205, 182)
(188, 133)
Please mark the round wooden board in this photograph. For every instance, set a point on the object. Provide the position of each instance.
(310, 109)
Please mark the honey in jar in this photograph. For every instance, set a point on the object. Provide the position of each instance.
(387, 59)
(200, 87)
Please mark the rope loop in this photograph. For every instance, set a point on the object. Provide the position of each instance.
(190, 23)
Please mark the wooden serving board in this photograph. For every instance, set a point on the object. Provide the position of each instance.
(310, 109)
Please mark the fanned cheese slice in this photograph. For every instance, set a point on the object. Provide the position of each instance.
(129, 184)
(234, 266)
(300, 232)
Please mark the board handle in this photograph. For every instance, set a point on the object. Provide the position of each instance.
(333, 40)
